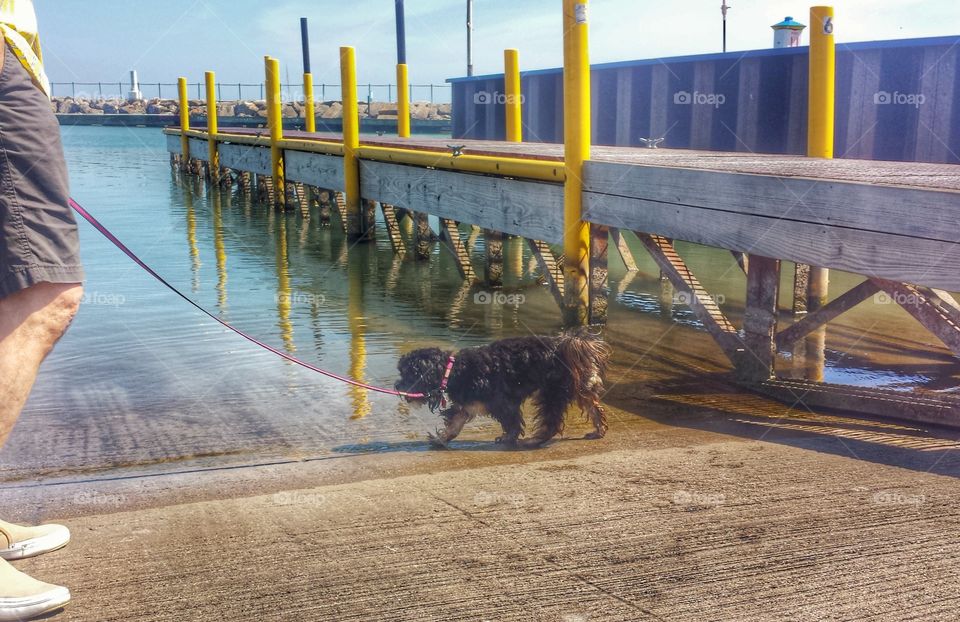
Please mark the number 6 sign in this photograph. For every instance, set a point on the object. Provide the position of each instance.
(828, 25)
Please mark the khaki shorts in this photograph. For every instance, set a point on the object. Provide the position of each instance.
(38, 233)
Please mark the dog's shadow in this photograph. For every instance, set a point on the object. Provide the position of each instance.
(382, 447)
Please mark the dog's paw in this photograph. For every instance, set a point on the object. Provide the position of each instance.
(436, 441)
(592, 436)
(508, 441)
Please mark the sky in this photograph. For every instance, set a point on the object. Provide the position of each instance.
(87, 41)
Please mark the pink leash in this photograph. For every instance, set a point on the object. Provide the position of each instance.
(106, 233)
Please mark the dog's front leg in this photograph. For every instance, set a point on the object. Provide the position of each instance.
(454, 418)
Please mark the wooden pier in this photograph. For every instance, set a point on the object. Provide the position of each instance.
(893, 222)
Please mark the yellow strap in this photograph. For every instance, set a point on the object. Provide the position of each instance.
(27, 57)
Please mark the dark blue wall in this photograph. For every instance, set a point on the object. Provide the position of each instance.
(759, 102)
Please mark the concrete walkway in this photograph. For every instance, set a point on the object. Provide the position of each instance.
(726, 512)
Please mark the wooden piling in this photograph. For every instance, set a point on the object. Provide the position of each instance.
(493, 266)
(756, 361)
(422, 236)
(599, 242)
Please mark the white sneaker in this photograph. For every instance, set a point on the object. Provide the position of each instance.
(24, 598)
(19, 542)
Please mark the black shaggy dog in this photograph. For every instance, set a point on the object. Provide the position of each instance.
(496, 379)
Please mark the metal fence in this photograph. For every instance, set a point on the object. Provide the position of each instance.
(434, 93)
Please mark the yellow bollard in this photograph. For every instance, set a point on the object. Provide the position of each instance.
(576, 150)
(351, 140)
(403, 101)
(821, 83)
(275, 121)
(213, 161)
(309, 110)
(514, 98)
(184, 121)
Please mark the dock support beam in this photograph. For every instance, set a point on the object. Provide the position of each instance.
(184, 123)
(422, 235)
(213, 160)
(493, 266)
(576, 138)
(755, 362)
(351, 141)
(275, 121)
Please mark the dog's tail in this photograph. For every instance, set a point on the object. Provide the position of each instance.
(586, 356)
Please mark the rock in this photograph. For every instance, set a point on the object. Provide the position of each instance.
(133, 108)
(334, 111)
(156, 108)
(109, 108)
(376, 107)
(245, 109)
(223, 109)
(446, 109)
(288, 112)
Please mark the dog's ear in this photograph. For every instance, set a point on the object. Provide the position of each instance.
(423, 367)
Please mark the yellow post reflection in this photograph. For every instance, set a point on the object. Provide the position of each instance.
(220, 250)
(192, 238)
(358, 344)
(284, 298)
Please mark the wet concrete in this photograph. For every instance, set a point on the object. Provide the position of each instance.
(684, 512)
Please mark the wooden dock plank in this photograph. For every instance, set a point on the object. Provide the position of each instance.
(894, 257)
(526, 208)
(316, 169)
(245, 158)
(198, 149)
(932, 215)
(940, 177)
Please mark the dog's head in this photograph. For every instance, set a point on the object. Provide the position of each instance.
(421, 371)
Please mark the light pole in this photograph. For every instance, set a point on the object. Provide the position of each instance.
(723, 10)
(469, 37)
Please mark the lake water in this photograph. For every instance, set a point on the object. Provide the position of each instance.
(143, 380)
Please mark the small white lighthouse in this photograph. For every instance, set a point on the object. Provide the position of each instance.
(134, 94)
(787, 33)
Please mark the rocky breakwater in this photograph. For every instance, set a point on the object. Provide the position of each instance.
(423, 111)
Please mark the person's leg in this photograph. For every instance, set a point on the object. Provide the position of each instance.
(31, 322)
